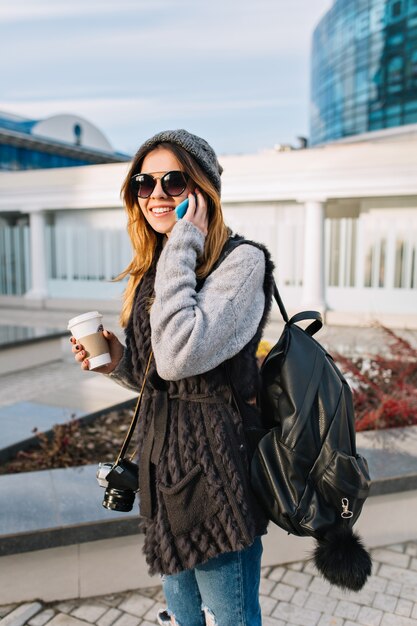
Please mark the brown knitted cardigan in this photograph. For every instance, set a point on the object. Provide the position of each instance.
(195, 496)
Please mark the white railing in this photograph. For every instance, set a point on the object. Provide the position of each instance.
(371, 262)
(82, 261)
(370, 252)
(281, 229)
(340, 252)
(14, 260)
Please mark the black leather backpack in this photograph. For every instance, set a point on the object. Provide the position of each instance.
(305, 470)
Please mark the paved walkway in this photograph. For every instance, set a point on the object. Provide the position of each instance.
(292, 595)
(52, 379)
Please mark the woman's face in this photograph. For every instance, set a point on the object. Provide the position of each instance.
(158, 209)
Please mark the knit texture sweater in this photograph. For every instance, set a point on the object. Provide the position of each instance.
(195, 496)
(192, 332)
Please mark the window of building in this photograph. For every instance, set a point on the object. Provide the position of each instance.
(377, 18)
(395, 40)
(361, 80)
(395, 70)
(361, 122)
(412, 69)
(376, 115)
(392, 121)
(394, 110)
(396, 9)
(362, 57)
(376, 124)
(410, 118)
(362, 25)
(361, 85)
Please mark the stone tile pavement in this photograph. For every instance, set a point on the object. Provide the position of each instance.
(291, 595)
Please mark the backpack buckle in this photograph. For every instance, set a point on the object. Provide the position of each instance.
(346, 514)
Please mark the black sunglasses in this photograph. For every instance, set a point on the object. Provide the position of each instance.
(173, 183)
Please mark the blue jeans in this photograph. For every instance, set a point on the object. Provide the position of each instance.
(224, 591)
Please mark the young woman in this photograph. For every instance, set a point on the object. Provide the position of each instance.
(195, 325)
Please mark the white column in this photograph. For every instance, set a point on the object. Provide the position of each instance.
(313, 275)
(37, 226)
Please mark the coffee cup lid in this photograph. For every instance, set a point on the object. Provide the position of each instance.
(84, 317)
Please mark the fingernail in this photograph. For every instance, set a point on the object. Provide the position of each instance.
(77, 347)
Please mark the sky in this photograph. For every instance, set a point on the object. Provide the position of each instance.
(236, 72)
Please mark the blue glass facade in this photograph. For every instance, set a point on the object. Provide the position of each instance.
(22, 158)
(364, 68)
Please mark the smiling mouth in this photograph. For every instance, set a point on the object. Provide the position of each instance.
(162, 210)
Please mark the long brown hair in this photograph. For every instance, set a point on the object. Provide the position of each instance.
(145, 240)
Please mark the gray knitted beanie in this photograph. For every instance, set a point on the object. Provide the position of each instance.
(196, 146)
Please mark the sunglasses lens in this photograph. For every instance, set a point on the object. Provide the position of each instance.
(143, 185)
(174, 183)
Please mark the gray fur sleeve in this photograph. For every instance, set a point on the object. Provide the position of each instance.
(194, 332)
(122, 373)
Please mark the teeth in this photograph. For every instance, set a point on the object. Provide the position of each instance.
(161, 209)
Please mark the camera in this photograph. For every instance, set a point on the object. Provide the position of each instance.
(121, 483)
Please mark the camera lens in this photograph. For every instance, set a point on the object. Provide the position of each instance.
(119, 499)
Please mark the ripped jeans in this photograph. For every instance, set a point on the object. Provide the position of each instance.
(224, 591)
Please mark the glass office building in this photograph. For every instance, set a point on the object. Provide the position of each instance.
(364, 68)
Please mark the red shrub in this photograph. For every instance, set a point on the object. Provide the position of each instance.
(384, 386)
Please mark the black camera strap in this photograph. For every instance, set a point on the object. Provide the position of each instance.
(135, 416)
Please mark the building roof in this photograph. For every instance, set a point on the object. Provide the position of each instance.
(64, 134)
(8, 121)
(363, 169)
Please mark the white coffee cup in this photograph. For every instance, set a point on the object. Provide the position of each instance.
(88, 330)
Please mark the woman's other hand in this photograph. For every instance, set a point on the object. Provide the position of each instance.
(115, 348)
(197, 211)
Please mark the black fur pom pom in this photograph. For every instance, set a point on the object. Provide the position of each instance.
(341, 558)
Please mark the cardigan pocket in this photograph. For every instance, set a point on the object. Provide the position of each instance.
(187, 502)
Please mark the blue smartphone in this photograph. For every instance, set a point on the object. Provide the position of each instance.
(181, 209)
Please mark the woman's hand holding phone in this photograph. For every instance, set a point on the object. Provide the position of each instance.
(194, 210)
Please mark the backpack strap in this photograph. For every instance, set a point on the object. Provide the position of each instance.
(280, 303)
(308, 315)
